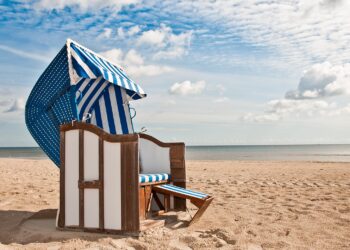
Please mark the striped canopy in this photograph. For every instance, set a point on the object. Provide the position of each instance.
(79, 85)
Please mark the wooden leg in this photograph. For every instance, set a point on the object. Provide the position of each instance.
(197, 202)
(149, 202)
(166, 203)
(159, 203)
(142, 203)
(201, 210)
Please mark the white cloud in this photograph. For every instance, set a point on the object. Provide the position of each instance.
(107, 33)
(130, 32)
(114, 55)
(134, 30)
(307, 31)
(25, 54)
(187, 88)
(165, 42)
(323, 80)
(133, 58)
(148, 70)
(120, 33)
(82, 5)
(134, 63)
(18, 105)
(175, 52)
(289, 109)
(284, 106)
(320, 81)
(154, 37)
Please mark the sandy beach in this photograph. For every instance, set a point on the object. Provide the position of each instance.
(258, 205)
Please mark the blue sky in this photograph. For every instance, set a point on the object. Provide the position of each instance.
(216, 72)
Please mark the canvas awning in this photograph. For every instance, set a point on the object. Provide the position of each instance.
(77, 84)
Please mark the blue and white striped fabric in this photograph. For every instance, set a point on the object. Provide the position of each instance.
(76, 83)
(145, 178)
(184, 191)
(107, 103)
(89, 65)
(103, 91)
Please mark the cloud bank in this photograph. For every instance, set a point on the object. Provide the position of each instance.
(319, 82)
(82, 5)
(165, 42)
(322, 80)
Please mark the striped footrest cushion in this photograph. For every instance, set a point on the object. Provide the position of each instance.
(145, 178)
(180, 190)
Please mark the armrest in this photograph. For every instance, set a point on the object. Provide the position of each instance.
(176, 164)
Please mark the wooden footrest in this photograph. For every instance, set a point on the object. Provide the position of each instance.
(200, 200)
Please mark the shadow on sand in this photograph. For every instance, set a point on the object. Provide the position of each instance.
(23, 227)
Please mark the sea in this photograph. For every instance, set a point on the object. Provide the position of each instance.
(322, 153)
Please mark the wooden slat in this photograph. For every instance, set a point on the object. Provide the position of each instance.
(101, 178)
(62, 215)
(81, 177)
(123, 188)
(197, 203)
(176, 194)
(154, 183)
(177, 153)
(166, 203)
(149, 196)
(178, 172)
(142, 203)
(178, 180)
(149, 202)
(130, 186)
(90, 184)
(160, 143)
(99, 132)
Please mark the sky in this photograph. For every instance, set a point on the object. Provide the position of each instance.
(217, 72)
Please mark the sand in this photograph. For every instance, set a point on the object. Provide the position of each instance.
(258, 205)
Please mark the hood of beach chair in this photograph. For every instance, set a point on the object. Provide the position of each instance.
(79, 85)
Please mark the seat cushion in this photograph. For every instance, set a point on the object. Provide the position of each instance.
(146, 178)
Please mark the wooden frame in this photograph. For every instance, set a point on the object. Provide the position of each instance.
(129, 176)
(129, 179)
(201, 203)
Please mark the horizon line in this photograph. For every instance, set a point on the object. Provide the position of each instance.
(224, 145)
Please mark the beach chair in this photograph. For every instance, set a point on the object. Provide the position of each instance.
(112, 179)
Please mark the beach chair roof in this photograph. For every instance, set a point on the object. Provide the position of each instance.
(79, 84)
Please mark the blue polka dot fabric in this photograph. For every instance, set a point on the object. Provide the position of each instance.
(50, 104)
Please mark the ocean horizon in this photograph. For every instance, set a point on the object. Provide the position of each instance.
(306, 152)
